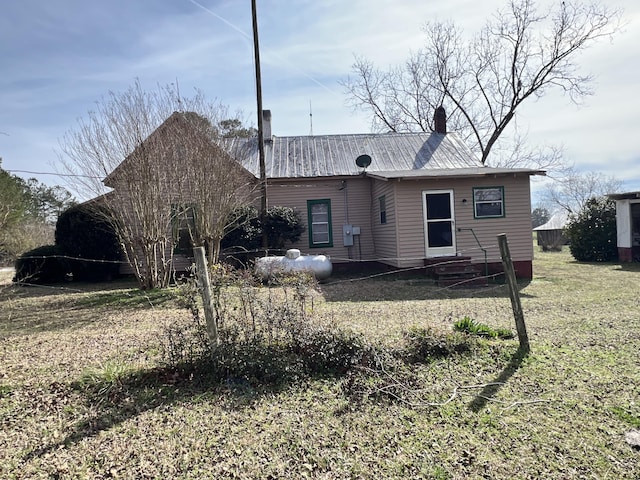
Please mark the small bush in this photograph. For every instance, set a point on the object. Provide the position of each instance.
(40, 266)
(470, 326)
(592, 233)
(243, 232)
(423, 344)
(332, 350)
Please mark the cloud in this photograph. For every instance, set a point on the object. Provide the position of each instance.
(60, 57)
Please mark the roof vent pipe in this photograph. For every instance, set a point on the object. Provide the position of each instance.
(440, 120)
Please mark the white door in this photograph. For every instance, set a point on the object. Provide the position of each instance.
(439, 223)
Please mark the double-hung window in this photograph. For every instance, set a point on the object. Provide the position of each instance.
(488, 202)
(319, 220)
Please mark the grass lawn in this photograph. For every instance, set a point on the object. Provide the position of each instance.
(559, 413)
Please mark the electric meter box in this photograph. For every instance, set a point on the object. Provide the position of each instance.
(347, 235)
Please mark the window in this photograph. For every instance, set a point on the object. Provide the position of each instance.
(319, 217)
(184, 224)
(383, 209)
(488, 202)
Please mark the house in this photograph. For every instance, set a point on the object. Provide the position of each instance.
(550, 235)
(398, 199)
(628, 225)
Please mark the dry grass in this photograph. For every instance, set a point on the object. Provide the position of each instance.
(560, 412)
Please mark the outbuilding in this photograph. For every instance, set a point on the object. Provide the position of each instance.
(628, 225)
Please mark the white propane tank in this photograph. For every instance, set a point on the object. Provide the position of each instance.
(319, 265)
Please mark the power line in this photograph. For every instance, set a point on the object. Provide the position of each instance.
(55, 174)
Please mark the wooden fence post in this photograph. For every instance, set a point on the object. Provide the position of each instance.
(513, 292)
(205, 286)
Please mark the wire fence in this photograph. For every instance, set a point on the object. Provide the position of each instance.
(480, 284)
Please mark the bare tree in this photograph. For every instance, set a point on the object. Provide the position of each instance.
(159, 156)
(212, 184)
(520, 54)
(572, 191)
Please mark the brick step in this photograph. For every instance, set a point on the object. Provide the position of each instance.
(437, 261)
(456, 269)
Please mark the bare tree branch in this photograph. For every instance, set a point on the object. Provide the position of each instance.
(571, 191)
(521, 53)
(160, 156)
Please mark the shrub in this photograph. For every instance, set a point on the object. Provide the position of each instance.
(243, 231)
(592, 233)
(84, 232)
(332, 350)
(282, 225)
(40, 265)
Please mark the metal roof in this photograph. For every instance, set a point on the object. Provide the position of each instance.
(335, 155)
(624, 196)
(557, 222)
(455, 172)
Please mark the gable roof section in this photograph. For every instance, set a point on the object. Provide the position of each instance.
(335, 155)
(176, 121)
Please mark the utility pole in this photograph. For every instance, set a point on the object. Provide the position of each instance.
(261, 159)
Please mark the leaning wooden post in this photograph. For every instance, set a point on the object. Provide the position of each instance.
(205, 288)
(513, 292)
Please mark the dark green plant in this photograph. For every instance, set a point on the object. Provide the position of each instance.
(332, 350)
(86, 235)
(282, 225)
(592, 232)
(539, 216)
(41, 265)
(470, 326)
(244, 233)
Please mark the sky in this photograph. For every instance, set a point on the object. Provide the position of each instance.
(59, 58)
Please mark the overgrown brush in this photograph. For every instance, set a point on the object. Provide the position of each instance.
(270, 335)
(424, 345)
(394, 375)
(267, 334)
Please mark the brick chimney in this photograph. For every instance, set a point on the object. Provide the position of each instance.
(440, 120)
(266, 125)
